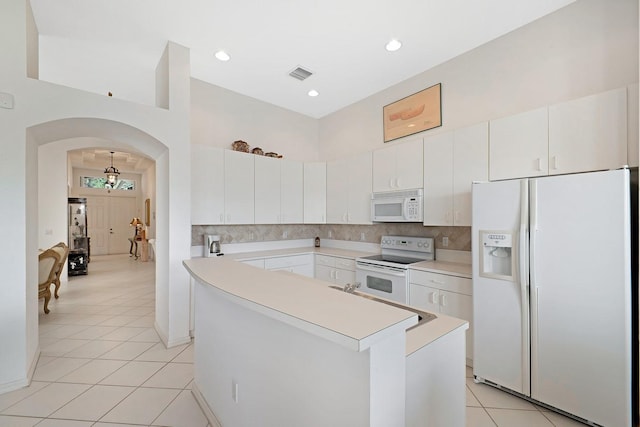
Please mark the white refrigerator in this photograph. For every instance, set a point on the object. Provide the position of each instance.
(552, 292)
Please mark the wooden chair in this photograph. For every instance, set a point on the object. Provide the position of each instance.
(63, 250)
(47, 261)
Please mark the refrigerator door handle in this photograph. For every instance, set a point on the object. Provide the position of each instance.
(523, 254)
(534, 341)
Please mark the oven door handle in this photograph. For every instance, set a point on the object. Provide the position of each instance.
(382, 270)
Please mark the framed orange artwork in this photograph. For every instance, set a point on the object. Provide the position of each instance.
(415, 113)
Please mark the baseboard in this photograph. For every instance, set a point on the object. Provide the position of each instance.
(22, 382)
(34, 363)
(165, 339)
(202, 402)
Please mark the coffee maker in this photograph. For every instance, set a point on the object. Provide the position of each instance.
(211, 245)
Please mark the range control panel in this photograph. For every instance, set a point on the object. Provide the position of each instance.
(415, 244)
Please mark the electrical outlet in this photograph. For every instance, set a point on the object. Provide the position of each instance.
(445, 241)
(234, 391)
(284, 234)
(6, 100)
(330, 234)
(362, 238)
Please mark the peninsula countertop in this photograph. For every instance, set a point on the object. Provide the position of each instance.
(311, 305)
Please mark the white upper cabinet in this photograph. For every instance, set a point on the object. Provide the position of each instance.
(207, 185)
(267, 190)
(239, 187)
(438, 179)
(519, 145)
(278, 191)
(398, 167)
(360, 184)
(291, 192)
(470, 163)
(349, 185)
(337, 191)
(315, 193)
(580, 135)
(589, 133)
(452, 161)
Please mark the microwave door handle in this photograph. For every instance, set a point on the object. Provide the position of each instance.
(405, 208)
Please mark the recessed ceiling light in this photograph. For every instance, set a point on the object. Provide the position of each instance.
(222, 55)
(313, 92)
(393, 45)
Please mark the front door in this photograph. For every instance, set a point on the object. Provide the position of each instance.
(121, 212)
(108, 220)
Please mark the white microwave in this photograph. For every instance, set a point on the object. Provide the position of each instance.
(397, 206)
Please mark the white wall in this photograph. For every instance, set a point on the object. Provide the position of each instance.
(219, 117)
(52, 195)
(44, 113)
(587, 47)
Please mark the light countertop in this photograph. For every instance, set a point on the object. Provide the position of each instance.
(444, 267)
(272, 253)
(312, 305)
(303, 302)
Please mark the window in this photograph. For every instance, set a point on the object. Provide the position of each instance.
(101, 182)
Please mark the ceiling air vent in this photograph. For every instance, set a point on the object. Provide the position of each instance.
(300, 73)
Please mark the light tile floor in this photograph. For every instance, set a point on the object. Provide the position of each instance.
(101, 361)
(102, 364)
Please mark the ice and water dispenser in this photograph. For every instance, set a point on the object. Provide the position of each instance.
(497, 254)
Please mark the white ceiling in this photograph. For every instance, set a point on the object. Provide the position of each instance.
(117, 43)
(100, 159)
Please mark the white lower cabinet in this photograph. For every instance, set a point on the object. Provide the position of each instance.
(299, 264)
(442, 293)
(337, 270)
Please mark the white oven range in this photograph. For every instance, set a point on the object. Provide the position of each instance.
(386, 275)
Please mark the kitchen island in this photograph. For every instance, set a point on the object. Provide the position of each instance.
(274, 348)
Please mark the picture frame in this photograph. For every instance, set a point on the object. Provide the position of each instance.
(415, 113)
(147, 212)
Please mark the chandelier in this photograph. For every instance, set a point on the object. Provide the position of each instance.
(112, 173)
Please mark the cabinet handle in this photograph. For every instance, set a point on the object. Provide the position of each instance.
(397, 182)
(336, 275)
(390, 182)
(437, 282)
(221, 218)
(443, 300)
(554, 162)
(332, 274)
(434, 298)
(344, 217)
(539, 164)
(348, 217)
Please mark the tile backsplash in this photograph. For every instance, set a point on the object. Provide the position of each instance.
(459, 237)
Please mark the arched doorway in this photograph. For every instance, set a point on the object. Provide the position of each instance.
(66, 134)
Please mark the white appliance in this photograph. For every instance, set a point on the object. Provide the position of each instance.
(211, 245)
(385, 275)
(553, 310)
(397, 206)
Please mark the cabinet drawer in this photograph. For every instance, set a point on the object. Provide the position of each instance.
(445, 282)
(346, 263)
(329, 261)
(288, 261)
